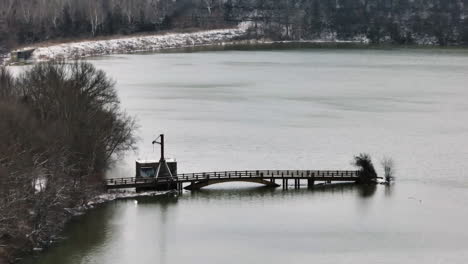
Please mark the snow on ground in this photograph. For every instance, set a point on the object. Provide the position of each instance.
(82, 49)
(112, 196)
(75, 50)
(4, 59)
(137, 44)
(116, 195)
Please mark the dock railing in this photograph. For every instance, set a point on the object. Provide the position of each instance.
(267, 174)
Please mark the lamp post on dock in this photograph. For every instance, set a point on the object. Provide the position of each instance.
(162, 161)
(161, 143)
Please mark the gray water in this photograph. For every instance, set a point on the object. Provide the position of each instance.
(290, 109)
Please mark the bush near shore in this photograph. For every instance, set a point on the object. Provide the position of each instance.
(60, 128)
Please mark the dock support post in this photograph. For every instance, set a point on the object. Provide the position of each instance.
(310, 183)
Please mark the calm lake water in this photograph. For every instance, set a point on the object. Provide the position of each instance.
(290, 109)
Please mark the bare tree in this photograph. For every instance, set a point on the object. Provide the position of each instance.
(80, 98)
(61, 127)
(389, 168)
(6, 84)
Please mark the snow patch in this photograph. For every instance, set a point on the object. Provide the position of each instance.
(112, 196)
(137, 44)
(107, 197)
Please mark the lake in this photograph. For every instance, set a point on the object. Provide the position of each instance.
(296, 108)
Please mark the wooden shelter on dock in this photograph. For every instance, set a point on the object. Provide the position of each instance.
(163, 171)
(148, 168)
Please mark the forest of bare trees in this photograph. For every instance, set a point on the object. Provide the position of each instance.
(60, 129)
(390, 21)
(397, 21)
(26, 21)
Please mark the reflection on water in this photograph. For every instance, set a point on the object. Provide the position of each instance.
(264, 192)
(243, 224)
(367, 191)
(87, 236)
(82, 235)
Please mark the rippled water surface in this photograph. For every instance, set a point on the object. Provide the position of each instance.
(290, 109)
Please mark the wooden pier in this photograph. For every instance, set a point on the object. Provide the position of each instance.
(194, 181)
(162, 175)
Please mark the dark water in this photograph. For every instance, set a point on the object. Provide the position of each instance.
(290, 109)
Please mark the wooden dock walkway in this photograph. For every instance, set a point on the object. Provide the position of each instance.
(265, 177)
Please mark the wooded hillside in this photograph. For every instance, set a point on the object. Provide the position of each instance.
(398, 21)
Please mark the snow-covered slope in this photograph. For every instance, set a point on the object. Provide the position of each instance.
(136, 44)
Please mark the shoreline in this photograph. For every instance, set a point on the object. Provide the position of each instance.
(167, 41)
(157, 42)
(15, 255)
(131, 44)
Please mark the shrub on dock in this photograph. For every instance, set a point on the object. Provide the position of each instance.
(367, 173)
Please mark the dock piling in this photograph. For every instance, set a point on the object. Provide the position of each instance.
(310, 183)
